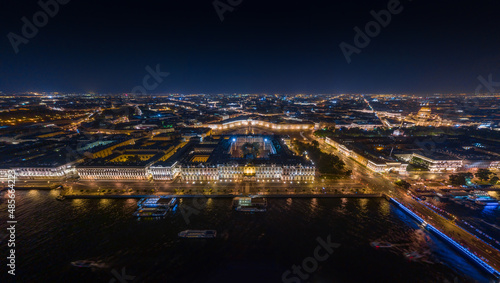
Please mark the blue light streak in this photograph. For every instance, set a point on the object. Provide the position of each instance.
(431, 228)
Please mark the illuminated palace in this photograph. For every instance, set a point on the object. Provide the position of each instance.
(218, 158)
(235, 158)
(250, 121)
(424, 117)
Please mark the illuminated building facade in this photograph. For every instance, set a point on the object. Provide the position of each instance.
(437, 163)
(113, 173)
(256, 158)
(132, 162)
(4, 174)
(378, 165)
(246, 122)
(424, 117)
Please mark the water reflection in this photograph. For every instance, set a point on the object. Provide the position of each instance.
(363, 204)
(103, 203)
(77, 203)
(343, 203)
(385, 208)
(209, 203)
(130, 203)
(314, 204)
(34, 194)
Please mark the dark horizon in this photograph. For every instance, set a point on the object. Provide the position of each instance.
(259, 47)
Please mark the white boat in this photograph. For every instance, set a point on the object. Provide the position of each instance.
(201, 234)
(250, 209)
(160, 202)
(413, 256)
(250, 204)
(381, 245)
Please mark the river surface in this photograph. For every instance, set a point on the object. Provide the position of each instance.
(258, 247)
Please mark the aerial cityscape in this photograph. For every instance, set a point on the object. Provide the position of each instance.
(250, 142)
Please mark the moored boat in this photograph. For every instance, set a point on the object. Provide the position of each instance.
(381, 245)
(250, 209)
(413, 256)
(151, 212)
(250, 204)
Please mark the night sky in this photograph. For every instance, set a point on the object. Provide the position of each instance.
(260, 47)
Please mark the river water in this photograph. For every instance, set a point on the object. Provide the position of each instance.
(258, 247)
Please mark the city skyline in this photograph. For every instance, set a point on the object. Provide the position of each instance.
(425, 166)
(250, 141)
